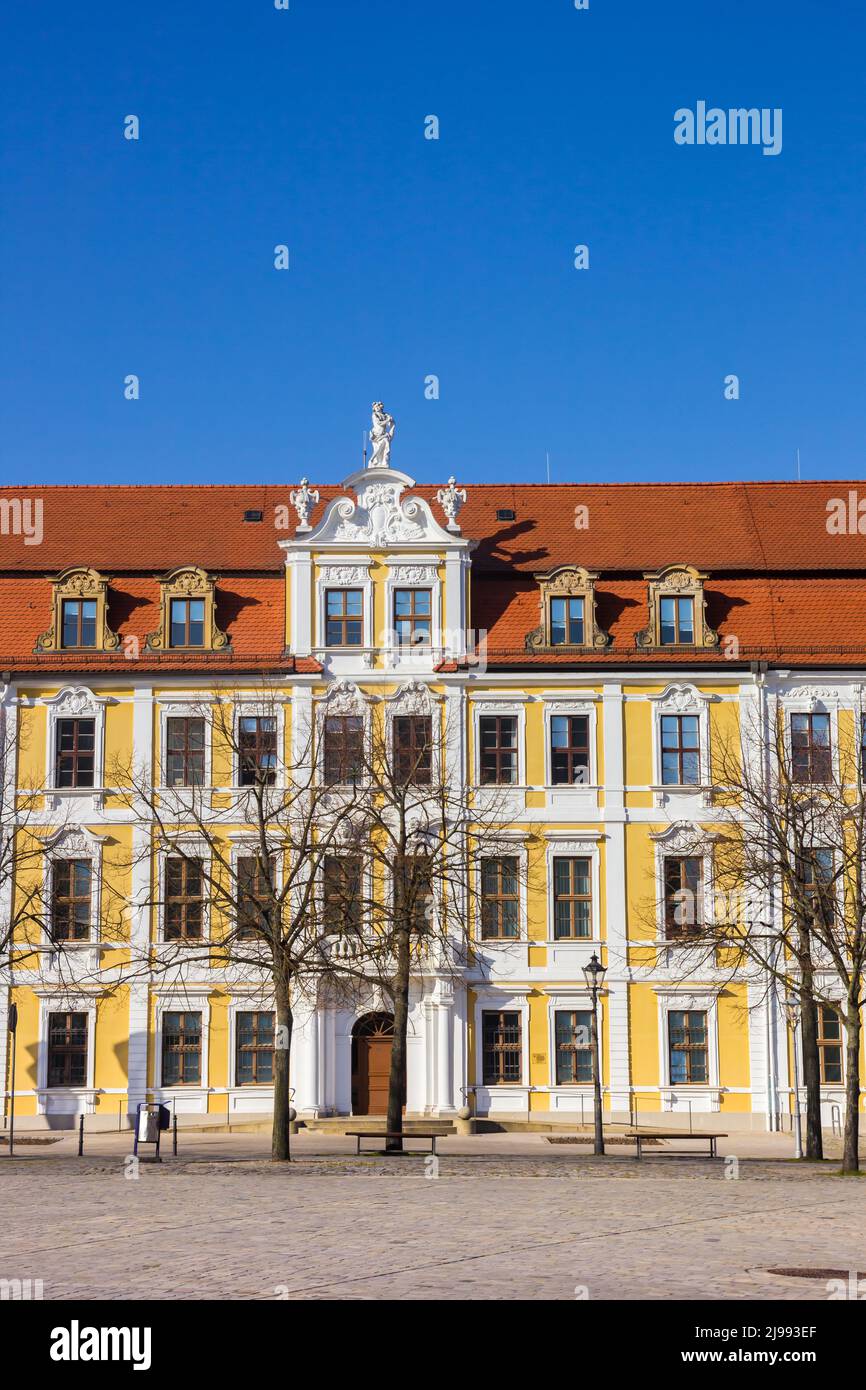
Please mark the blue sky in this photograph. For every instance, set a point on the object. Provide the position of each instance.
(411, 257)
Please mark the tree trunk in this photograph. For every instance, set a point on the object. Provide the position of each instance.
(811, 1076)
(397, 1075)
(851, 1146)
(280, 1136)
(809, 1040)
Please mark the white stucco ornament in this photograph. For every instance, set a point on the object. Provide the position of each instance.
(303, 499)
(381, 435)
(451, 499)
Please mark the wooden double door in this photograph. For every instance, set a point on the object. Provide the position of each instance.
(371, 1063)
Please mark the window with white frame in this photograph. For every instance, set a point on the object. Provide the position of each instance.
(71, 899)
(501, 1047)
(498, 741)
(254, 1047)
(184, 898)
(830, 1045)
(76, 724)
(688, 1047)
(572, 896)
(572, 1035)
(67, 1048)
(681, 735)
(181, 1047)
(569, 749)
(500, 897)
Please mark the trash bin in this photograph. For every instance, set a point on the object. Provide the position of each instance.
(151, 1119)
(149, 1126)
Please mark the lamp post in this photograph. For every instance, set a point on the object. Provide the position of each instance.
(13, 1029)
(792, 1010)
(594, 974)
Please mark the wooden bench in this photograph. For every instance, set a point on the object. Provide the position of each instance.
(639, 1136)
(359, 1134)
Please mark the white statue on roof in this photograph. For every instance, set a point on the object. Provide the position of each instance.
(381, 434)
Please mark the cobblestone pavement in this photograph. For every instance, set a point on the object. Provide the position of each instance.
(545, 1226)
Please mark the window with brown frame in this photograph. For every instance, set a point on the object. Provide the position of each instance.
(811, 759)
(676, 621)
(342, 893)
(569, 749)
(67, 1049)
(413, 891)
(78, 622)
(412, 743)
(413, 617)
(343, 737)
(684, 879)
(572, 898)
(186, 622)
(815, 872)
(184, 899)
(830, 1045)
(184, 751)
(70, 899)
(344, 617)
(257, 741)
(497, 735)
(681, 750)
(255, 901)
(566, 621)
(254, 1048)
(500, 897)
(572, 1031)
(75, 753)
(181, 1049)
(688, 1047)
(502, 1047)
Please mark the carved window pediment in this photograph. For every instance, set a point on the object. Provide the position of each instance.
(192, 583)
(669, 624)
(564, 626)
(79, 586)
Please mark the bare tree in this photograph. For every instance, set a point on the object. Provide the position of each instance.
(789, 889)
(408, 884)
(242, 865)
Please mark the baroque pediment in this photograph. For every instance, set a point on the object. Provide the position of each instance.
(379, 515)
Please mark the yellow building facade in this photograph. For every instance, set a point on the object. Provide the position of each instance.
(579, 672)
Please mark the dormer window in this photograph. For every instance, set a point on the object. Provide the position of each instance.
(188, 617)
(567, 611)
(677, 610)
(80, 614)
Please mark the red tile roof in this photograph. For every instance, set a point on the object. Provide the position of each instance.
(632, 526)
(790, 592)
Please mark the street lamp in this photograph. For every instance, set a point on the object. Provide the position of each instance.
(792, 1010)
(594, 974)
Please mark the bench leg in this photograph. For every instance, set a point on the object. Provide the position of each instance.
(713, 1147)
(434, 1144)
(637, 1143)
(357, 1143)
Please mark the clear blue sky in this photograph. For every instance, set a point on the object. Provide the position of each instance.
(412, 257)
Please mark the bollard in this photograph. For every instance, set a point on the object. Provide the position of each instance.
(174, 1134)
(80, 1135)
(464, 1121)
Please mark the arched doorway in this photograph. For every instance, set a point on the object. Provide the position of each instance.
(371, 1063)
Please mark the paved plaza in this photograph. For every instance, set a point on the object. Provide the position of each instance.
(506, 1217)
